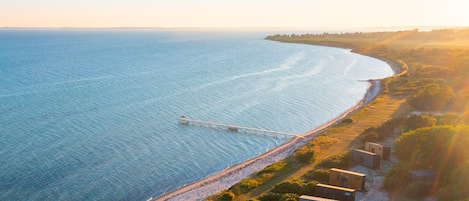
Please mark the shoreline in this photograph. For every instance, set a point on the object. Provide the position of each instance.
(224, 179)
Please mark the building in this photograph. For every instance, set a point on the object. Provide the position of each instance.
(313, 198)
(382, 151)
(347, 179)
(367, 159)
(334, 192)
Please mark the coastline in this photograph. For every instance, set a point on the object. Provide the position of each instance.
(224, 179)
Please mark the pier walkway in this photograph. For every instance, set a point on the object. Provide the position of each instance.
(256, 131)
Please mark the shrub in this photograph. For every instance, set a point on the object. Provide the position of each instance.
(347, 121)
(336, 161)
(308, 188)
(319, 175)
(290, 197)
(305, 157)
(298, 187)
(288, 187)
(244, 186)
(370, 135)
(227, 196)
(275, 167)
(420, 121)
(271, 197)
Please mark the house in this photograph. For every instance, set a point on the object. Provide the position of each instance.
(334, 192)
(347, 179)
(313, 198)
(382, 151)
(367, 159)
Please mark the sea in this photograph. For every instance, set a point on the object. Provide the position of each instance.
(91, 114)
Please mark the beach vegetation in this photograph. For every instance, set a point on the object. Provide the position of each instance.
(279, 197)
(290, 197)
(319, 175)
(337, 161)
(347, 121)
(244, 186)
(271, 197)
(227, 196)
(297, 186)
(304, 155)
(273, 168)
(419, 121)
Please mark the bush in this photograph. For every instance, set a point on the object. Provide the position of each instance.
(271, 197)
(288, 187)
(227, 196)
(320, 175)
(305, 157)
(290, 197)
(336, 161)
(244, 186)
(420, 121)
(298, 187)
(347, 121)
(370, 135)
(275, 167)
(434, 96)
(308, 188)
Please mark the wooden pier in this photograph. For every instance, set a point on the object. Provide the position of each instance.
(233, 128)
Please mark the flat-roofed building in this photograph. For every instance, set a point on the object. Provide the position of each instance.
(367, 159)
(348, 179)
(314, 198)
(334, 192)
(382, 151)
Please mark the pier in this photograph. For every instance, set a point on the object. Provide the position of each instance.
(233, 128)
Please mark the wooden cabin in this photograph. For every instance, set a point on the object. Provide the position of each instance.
(334, 192)
(366, 159)
(382, 151)
(347, 179)
(314, 198)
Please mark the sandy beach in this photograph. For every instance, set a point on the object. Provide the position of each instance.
(226, 178)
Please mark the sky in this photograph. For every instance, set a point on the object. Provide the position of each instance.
(233, 13)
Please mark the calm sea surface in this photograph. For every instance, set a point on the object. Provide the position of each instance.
(92, 114)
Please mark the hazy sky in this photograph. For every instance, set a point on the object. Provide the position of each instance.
(233, 13)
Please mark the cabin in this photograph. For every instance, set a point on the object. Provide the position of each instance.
(366, 159)
(347, 179)
(313, 198)
(382, 151)
(334, 192)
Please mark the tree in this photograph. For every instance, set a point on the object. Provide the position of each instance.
(420, 121)
(432, 97)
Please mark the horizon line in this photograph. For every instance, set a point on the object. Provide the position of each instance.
(245, 27)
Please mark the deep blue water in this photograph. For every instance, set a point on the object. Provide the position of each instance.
(92, 114)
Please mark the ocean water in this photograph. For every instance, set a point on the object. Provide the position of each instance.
(92, 114)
